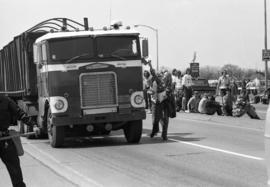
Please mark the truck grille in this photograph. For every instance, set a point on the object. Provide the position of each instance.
(98, 90)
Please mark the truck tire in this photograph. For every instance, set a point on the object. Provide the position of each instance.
(56, 134)
(133, 131)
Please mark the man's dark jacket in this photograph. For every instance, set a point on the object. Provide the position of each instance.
(8, 110)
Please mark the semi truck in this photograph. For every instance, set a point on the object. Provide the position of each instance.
(76, 80)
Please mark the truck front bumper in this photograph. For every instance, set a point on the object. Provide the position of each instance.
(62, 120)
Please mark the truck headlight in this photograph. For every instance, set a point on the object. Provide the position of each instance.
(58, 104)
(137, 99)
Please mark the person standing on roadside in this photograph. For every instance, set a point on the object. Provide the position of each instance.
(8, 153)
(186, 83)
(234, 90)
(146, 87)
(178, 91)
(223, 84)
(228, 103)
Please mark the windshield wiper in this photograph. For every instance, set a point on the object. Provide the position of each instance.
(76, 57)
(117, 56)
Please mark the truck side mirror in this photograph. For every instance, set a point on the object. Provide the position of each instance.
(35, 52)
(145, 48)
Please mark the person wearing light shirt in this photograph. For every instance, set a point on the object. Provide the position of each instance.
(193, 103)
(223, 83)
(174, 76)
(202, 104)
(187, 83)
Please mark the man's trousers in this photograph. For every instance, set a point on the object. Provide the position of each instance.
(9, 156)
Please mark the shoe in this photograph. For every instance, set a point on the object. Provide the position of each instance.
(165, 138)
(187, 111)
(152, 135)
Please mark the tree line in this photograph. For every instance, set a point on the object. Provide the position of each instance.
(212, 72)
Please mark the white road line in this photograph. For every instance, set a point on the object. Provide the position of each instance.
(209, 122)
(207, 147)
(218, 150)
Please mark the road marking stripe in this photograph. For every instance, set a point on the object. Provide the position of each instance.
(218, 150)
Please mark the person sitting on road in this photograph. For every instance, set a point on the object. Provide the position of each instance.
(201, 107)
(193, 103)
(242, 106)
(212, 106)
(228, 103)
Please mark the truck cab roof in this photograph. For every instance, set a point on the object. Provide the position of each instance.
(71, 34)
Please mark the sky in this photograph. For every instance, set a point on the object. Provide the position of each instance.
(220, 31)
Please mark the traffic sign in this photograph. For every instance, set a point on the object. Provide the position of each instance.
(265, 54)
(195, 69)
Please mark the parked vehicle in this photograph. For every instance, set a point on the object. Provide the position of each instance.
(76, 81)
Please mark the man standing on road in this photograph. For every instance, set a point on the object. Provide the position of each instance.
(160, 112)
(8, 152)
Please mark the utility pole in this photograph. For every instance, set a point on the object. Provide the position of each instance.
(265, 45)
(156, 31)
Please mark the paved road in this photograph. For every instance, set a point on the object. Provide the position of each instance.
(202, 151)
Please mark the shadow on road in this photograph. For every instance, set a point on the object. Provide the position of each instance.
(117, 138)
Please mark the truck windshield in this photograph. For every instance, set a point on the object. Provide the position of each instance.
(71, 49)
(119, 47)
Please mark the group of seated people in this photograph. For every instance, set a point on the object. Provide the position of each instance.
(206, 104)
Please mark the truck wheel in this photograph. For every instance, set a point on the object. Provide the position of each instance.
(56, 134)
(133, 131)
